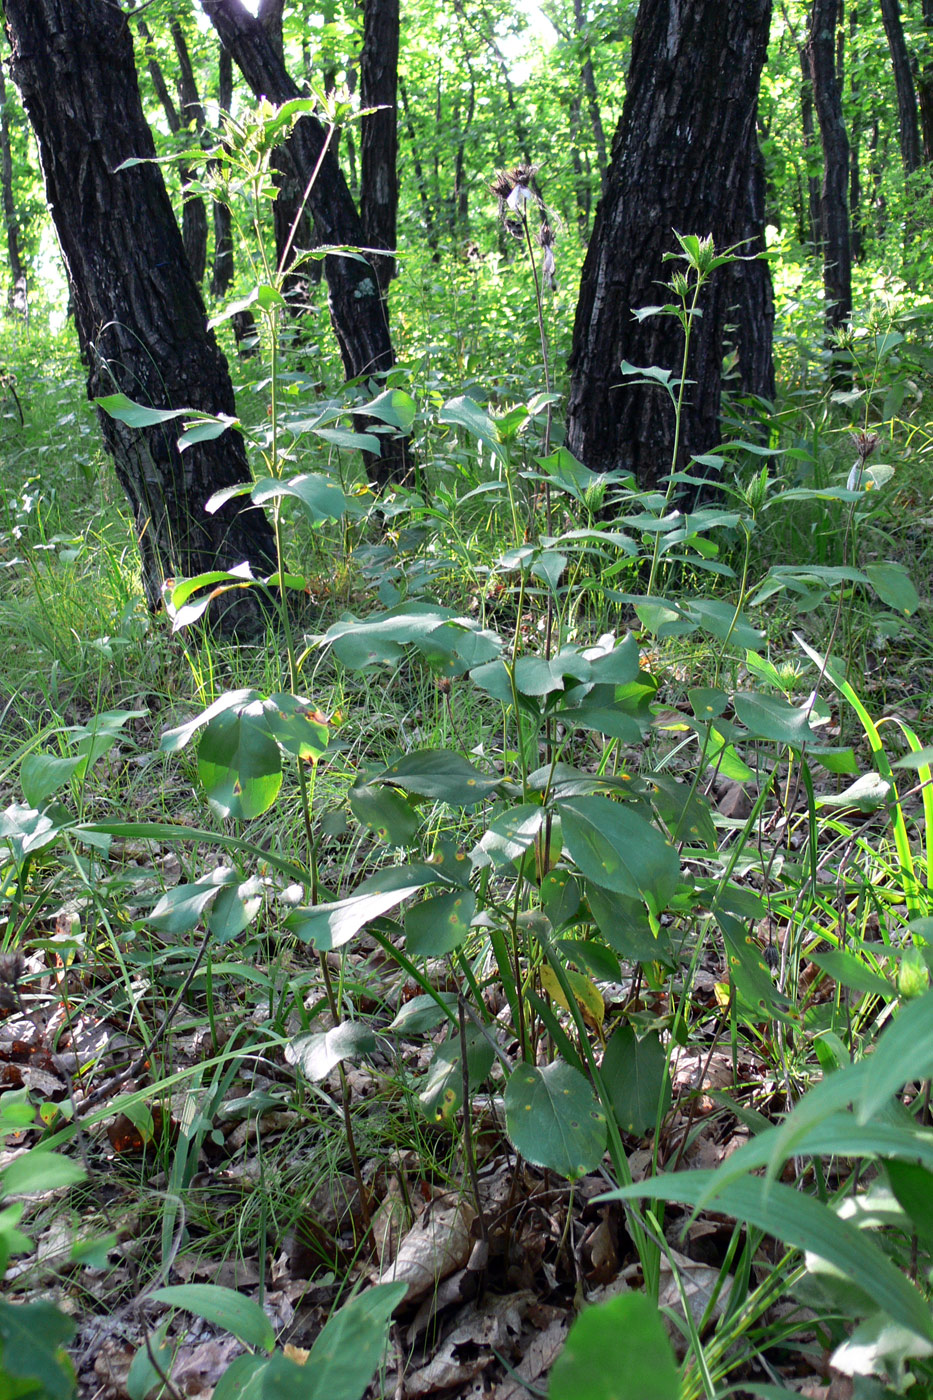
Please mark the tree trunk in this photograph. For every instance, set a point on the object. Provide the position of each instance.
(682, 159)
(834, 196)
(809, 142)
(222, 270)
(907, 125)
(748, 290)
(856, 219)
(357, 310)
(138, 311)
(925, 88)
(430, 229)
(379, 131)
(17, 296)
(592, 96)
(194, 213)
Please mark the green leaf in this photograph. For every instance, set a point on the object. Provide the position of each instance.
(386, 812)
(771, 717)
(321, 498)
(329, 926)
(437, 926)
(553, 1118)
(239, 765)
(635, 1074)
(619, 850)
(912, 1185)
(43, 774)
(31, 1337)
(206, 430)
(224, 1307)
(350, 441)
(296, 725)
(351, 1344)
(508, 837)
(174, 739)
(893, 585)
(850, 971)
(904, 1051)
(463, 412)
(137, 415)
(316, 1055)
(801, 1221)
(393, 406)
(617, 1350)
(866, 794)
(440, 775)
(441, 1095)
(40, 1170)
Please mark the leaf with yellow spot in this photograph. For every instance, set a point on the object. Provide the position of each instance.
(587, 994)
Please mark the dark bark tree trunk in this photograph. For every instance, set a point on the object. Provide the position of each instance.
(222, 269)
(748, 290)
(379, 131)
(809, 144)
(834, 195)
(907, 124)
(194, 212)
(357, 309)
(17, 296)
(925, 88)
(856, 219)
(138, 311)
(682, 159)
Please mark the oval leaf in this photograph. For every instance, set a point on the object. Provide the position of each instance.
(554, 1120)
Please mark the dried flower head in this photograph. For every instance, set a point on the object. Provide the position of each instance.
(864, 444)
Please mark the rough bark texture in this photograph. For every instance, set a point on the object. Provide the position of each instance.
(907, 124)
(809, 141)
(17, 297)
(194, 212)
(834, 195)
(748, 290)
(682, 158)
(357, 310)
(925, 90)
(379, 131)
(138, 311)
(222, 268)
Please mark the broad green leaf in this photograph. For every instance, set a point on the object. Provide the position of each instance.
(321, 498)
(393, 406)
(508, 837)
(553, 1118)
(296, 725)
(422, 1013)
(436, 926)
(137, 415)
(904, 1051)
(441, 775)
(206, 429)
(619, 850)
(350, 441)
(316, 1055)
(866, 794)
(43, 774)
(912, 1185)
(31, 1339)
(239, 765)
(617, 1350)
(850, 971)
(624, 924)
(585, 992)
(722, 621)
(351, 1345)
(635, 1075)
(803, 1222)
(40, 1170)
(385, 812)
(772, 717)
(441, 1095)
(463, 412)
(174, 739)
(329, 926)
(893, 585)
(223, 1307)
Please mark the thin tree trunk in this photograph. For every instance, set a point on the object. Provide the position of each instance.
(855, 176)
(907, 124)
(809, 144)
(379, 132)
(17, 296)
(682, 159)
(357, 310)
(749, 289)
(222, 269)
(592, 96)
(834, 196)
(194, 213)
(430, 229)
(138, 311)
(925, 88)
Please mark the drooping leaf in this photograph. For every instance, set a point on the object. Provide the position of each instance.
(436, 926)
(440, 775)
(463, 412)
(137, 415)
(441, 1096)
(385, 812)
(43, 774)
(329, 926)
(316, 1055)
(773, 717)
(619, 850)
(239, 764)
(636, 1078)
(392, 406)
(553, 1118)
(320, 497)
